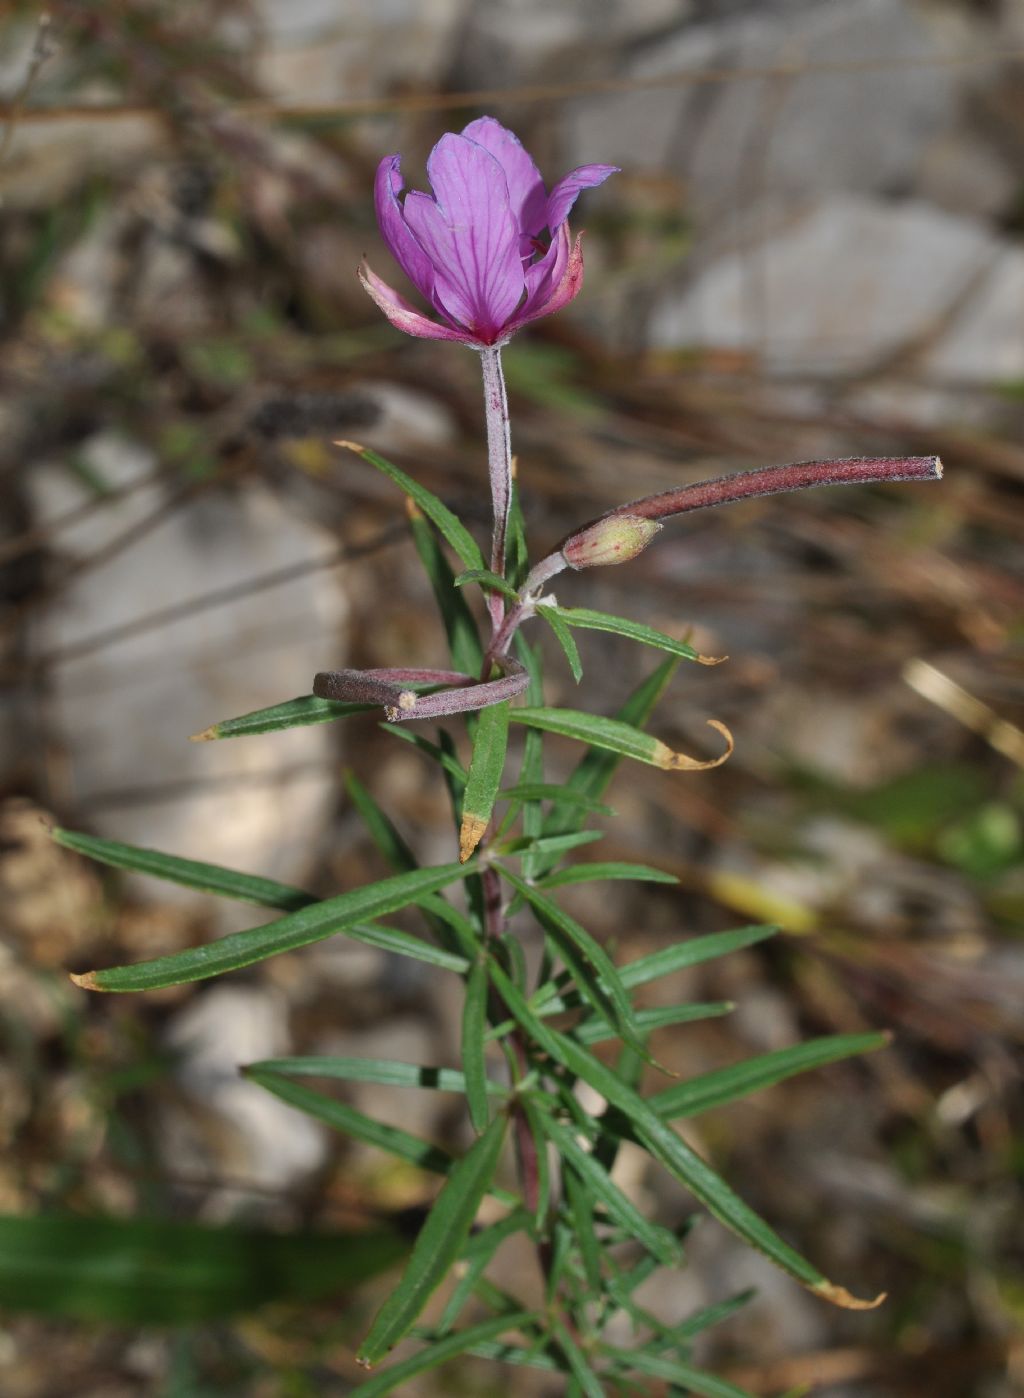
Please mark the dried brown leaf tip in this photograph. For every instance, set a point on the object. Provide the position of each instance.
(839, 1296)
(86, 981)
(671, 761)
(470, 835)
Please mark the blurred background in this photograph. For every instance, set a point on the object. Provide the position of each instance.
(815, 248)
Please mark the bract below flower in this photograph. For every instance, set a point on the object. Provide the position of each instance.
(491, 249)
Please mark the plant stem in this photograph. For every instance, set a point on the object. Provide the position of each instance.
(499, 460)
(770, 480)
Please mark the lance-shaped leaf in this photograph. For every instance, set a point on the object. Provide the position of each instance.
(135, 1272)
(674, 1371)
(671, 1151)
(393, 939)
(724, 1085)
(490, 743)
(460, 628)
(615, 736)
(192, 873)
(476, 1257)
(439, 1242)
(294, 713)
(587, 1381)
(477, 1338)
(558, 795)
(676, 957)
(636, 631)
(474, 1026)
(657, 1240)
(603, 985)
(388, 1072)
(490, 582)
(341, 1117)
(308, 925)
(553, 616)
(596, 1030)
(449, 525)
(608, 869)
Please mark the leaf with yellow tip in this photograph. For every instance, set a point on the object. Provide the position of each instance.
(613, 735)
(485, 770)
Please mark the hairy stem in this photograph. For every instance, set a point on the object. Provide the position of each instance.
(499, 460)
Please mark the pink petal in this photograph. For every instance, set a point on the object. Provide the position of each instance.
(526, 191)
(567, 290)
(405, 317)
(470, 236)
(401, 242)
(547, 272)
(567, 190)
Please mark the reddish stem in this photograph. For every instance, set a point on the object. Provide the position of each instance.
(770, 480)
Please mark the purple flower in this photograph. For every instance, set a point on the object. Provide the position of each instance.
(477, 250)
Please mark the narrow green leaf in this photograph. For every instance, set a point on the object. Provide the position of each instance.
(386, 1071)
(490, 744)
(551, 844)
(439, 1242)
(558, 795)
(534, 1110)
(611, 999)
(594, 771)
(382, 830)
(668, 1148)
(518, 552)
(474, 1025)
(675, 1371)
(207, 878)
(451, 764)
(563, 636)
(531, 772)
(622, 626)
(580, 1369)
(476, 1257)
(405, 944)
(135, 1272)
(582, 1208)
(724, 1085)
(715, 1314)
(535, 1358)
(341, 1117)
(489, 581)
(613, 735)
(294, 713)
(438, 513)
(692, 952)
(598, 871)
(439, 1352)
(299, 929)
(460, 628)
(657, 1240)
(596, 1031)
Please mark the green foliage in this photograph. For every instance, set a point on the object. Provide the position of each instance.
(147, 1272)
(519, 1075)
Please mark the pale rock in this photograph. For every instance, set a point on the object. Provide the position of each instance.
(983, 343)
(268, 1143)
(845, 286)
(407, 417)
(319, 51)
(122, 710)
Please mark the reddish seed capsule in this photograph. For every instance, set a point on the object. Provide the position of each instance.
(616, 539)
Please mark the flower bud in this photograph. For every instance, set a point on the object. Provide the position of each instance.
(614, 539)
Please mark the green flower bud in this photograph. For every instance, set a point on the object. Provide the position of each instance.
(614, 539)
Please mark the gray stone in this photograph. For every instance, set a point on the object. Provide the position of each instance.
(983, 343)
(844, 287)
(123, 708)
(266, 1142)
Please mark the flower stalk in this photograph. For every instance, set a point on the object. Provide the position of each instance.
(499, 463)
